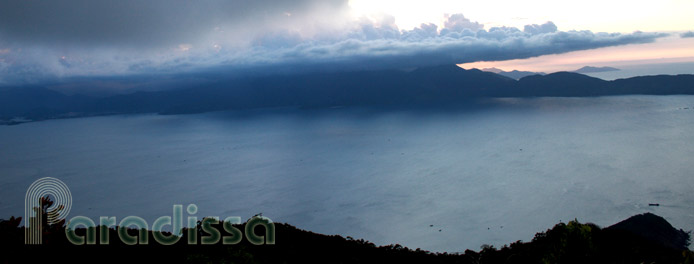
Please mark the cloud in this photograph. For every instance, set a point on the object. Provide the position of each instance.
(458, 23)
(59, 40)
(135, 23)
(423, 46)
(534, 29)
(688, 34)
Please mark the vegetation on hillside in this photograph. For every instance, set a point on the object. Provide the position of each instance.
(645, 238)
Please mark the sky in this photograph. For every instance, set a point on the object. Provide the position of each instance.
(655, 57)
(58, 41)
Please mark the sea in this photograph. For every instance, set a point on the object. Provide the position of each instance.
(440, 179)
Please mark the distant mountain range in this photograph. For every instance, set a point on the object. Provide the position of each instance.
(514, 74)
(433, 86)
(590, 69)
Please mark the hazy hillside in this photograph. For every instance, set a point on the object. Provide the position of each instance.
(591, 69)
(514, 74)
(431, 86)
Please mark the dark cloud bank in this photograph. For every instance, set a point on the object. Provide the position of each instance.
(57, 41)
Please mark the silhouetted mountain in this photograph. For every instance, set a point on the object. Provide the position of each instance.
(432, 86)
(514, 74)
(561, 84)
(494, 70)
(37, 102)
(567, 84)
(654, 228)
(368, 88)
(590, 69)
(655, 85)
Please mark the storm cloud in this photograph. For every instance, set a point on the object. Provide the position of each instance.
(42, 40)
(138, 24)
(426, 46)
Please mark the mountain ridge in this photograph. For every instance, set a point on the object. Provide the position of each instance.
(514, 74)
(430, 86)
(591, 69)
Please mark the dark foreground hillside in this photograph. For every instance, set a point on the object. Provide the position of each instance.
(645, 238)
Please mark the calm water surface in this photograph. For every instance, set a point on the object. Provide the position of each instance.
(492, 175)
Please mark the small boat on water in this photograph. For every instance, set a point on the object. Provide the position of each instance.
(653, 204)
